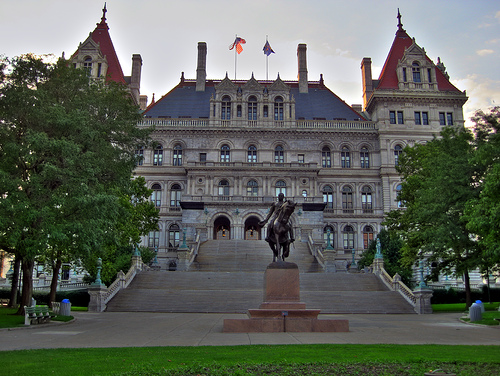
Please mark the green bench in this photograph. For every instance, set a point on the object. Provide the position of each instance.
(37, 315)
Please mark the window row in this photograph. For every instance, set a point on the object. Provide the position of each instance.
(348, 237)
(418, 74)
(173, 238)
(279, 156)
(348, 198)
(420, 118)
(251, 109)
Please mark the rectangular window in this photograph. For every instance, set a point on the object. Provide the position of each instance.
(266, 111)
(392, 117)
(404, 75)
(449, 118)
(425, 118)
(203, 157)
(418, 120)
(442, 119)
(400, 117)
(301, 158)
(238, 110)
(429, 75)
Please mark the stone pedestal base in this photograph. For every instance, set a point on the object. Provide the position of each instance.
(282, 310)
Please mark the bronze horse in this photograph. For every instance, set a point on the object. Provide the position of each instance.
(278, 239)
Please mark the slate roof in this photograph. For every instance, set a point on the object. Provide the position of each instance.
(184, 101)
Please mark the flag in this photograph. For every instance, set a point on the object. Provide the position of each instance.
(238, 43)
(267, 49)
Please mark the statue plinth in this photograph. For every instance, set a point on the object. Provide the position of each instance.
(282, 310)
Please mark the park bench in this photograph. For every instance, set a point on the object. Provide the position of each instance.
(4, 302)
(37, 315)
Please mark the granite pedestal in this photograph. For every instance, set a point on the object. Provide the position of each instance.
(282, 310)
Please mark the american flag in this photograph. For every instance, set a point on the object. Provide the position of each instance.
(238, 43)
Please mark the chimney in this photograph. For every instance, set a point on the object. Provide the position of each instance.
(366, 73)
(201, 71)
(135, 80)
(301, 55)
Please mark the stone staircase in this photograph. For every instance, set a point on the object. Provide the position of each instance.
(228, 276)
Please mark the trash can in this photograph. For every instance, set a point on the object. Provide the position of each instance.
(480, 303)
(65, 308)
(475, 313)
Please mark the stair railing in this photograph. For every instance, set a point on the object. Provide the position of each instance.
(316, 251)
(396, 284)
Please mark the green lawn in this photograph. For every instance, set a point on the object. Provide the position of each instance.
(256, 360)
(460, 307)
(8, 319)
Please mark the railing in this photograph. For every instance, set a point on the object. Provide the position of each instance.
(316, 251)
(121, 282)
(264, 123)
(61, 285)
(395, 284)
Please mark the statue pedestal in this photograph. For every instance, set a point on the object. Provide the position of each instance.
(282, 310)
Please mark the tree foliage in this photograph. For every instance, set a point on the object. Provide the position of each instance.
(437, 184)
(67, 152)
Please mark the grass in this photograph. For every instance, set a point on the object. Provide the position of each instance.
(8, 319)
(488, 318)
(256, 360)
(460, 307)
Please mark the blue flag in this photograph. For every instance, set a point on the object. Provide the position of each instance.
(267, 49)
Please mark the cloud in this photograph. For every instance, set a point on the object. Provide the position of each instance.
(483, 94)
(484, 52)
(497, 15)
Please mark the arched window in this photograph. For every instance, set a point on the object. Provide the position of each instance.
(328, 230)
(87, 65)
(175, 196)
(154, 240)
(279, 154)
(416, 72)
(326, 157)
(252, 108)
(252, 154)
(224, 190)
(347, 200)
(367, 236)
(400, 203)
(226, 108)
(365, 158)
(278, 108)
(177, 155)
(225, 153)
(328, 196)
(139, 156)
(366, 199)
(398, 149)
(158, 155)
(252, 188)
(348, 237)
(156, 195)
(174, 236)
(345, 157)
(304, 194)
(280, 187)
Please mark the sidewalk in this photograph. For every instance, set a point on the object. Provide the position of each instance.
(125, 329)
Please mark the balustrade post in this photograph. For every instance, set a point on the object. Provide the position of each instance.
(423, 300)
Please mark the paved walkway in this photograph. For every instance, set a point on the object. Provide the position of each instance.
(123, 329)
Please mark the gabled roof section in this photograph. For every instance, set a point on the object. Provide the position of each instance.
(388, 79)
(101, 36)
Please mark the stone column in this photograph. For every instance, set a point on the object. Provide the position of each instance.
(423, 300)
(97, 293)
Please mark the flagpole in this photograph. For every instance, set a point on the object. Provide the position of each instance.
(267, 64)
(235, 57)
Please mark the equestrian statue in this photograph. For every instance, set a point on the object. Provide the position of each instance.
(279, 230)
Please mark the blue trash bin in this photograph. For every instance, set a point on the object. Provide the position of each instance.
(65, 308)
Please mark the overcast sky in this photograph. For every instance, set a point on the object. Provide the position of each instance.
(465, 34)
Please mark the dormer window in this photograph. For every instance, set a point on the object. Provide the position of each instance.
(87, 65)
(416, 72)
(226, 108)
(404, 75)
(278, 108)
(252, 108)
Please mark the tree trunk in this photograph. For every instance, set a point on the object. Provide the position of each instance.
(53, 283)
(27, 291)
(15, 282)
(468, 296)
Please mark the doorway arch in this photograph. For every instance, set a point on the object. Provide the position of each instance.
(222, 228)
(252, 228)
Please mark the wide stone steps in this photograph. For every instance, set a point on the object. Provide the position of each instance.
(162, 291)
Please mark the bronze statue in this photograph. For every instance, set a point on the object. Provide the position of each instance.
(279, 231)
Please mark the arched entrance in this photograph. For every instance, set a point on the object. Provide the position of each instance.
(222, 228)
(252, 228)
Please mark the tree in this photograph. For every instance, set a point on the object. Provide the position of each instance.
(483, 211)
(67, 152)
(437, 184)
(391, 245)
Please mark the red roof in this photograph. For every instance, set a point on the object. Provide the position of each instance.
(388, 79)
(101, 36)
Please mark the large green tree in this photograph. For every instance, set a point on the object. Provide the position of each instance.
(437, 184)
(483, 211)
(67, 152)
